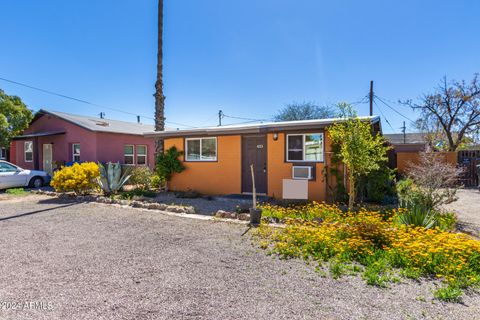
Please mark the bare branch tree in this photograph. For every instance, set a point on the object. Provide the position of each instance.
(452, 110)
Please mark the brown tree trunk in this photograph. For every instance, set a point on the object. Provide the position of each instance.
(351, 191)
(159, 97)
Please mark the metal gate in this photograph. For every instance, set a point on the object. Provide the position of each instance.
(468, 159)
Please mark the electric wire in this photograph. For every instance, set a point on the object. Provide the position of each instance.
(87, 102)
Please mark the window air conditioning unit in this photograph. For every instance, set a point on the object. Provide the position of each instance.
(302, 172)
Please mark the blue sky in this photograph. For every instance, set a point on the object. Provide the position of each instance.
(248, 58)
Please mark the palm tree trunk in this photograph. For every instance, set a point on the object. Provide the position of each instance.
(159, 97)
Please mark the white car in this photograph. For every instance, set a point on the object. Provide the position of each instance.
(12, 176)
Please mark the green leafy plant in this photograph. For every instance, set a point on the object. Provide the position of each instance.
(168, 163)
(156, 182)
(129, 195)
(141, 177)
(111, 179)
(377, 186)
(16, 192)
(361, 150)
(416, 214)
(450, 293)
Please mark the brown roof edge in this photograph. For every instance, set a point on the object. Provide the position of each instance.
(252, 129)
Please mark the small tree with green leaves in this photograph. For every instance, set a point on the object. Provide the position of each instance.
(168, 164)
(14, 117)
(361, 150)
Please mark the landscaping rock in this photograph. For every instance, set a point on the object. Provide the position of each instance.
(244, 216)
(189, 210)
(220, 214)
(176, 209)
(136, 204)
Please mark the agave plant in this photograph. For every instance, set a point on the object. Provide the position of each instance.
(111, 178)
(418, 215)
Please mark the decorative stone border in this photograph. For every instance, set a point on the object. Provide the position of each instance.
(107, 200)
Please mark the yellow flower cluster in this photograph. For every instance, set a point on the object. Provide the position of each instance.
(79, 178)
(365, 235)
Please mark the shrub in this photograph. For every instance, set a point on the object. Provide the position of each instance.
(447, 221)
(375, 241)
(416, 214)
(435, 180)
(111, 179)
(168, 163)
(79, 178)
(377, 186)
(156, 182)
(129, 195)
(141, 177)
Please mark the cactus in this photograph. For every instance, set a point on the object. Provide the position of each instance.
(111, 179)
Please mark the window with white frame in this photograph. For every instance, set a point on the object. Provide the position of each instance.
(141, 154)
(201, 149)
(3, 153)
(305, 147)
(28, 151)
(76, 152)
(128, 152)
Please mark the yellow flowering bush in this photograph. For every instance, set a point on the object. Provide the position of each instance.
(374, 240)
(79, 178)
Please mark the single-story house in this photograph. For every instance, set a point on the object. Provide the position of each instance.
(56, 138)
(288, 157)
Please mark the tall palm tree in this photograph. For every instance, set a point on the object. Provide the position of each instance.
(159, 97)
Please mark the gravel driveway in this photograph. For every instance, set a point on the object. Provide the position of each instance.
(93, 261)
(467, 208)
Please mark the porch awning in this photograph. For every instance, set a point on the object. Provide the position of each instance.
(38, 134)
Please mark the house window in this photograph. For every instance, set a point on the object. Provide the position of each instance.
(3, 153)
(28, 150)
(76, 152)
(142, 154)
(201, 149)
(305, 147)
(128, 151)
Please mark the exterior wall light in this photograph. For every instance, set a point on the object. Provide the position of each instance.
(275, 136)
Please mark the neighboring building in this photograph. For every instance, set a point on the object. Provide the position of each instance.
(56, 138)
(289, 158)
(3, 153)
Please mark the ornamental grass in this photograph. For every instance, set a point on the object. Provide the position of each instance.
(375, 241)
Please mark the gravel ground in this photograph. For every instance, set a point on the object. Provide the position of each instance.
(203, 205)
(94, 261)
(467, 208)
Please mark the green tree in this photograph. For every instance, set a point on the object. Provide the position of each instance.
(304, 111)
(361, 150)
(14, 117)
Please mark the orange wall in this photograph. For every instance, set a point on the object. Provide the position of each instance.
(224, 176)
(278, 170)
(221, 177)
(405, 158)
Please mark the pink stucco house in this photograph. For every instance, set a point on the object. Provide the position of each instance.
(56, 138)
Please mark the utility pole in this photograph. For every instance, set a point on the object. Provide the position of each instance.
(220, 116)
(371, 98)
(404, 134)
(102, 115)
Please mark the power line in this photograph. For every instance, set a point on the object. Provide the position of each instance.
(393, 109)
(241, 118)
(86, 102)
(386, 120)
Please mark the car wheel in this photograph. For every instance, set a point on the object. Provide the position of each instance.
(36, 182)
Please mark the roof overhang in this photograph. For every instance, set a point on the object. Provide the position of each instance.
(256, 128)
(38, 134)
